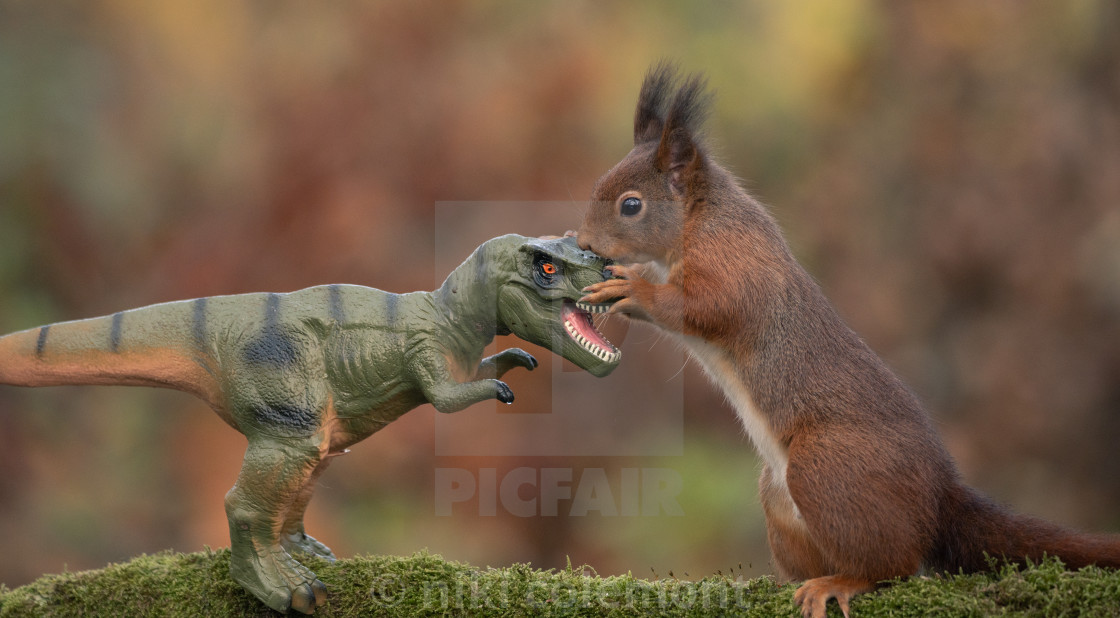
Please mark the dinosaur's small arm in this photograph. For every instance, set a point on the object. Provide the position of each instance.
(307, 374)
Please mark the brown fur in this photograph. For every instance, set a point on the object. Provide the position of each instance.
(868, 491)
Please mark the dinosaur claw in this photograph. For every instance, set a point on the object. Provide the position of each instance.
(525, 359)
(505, 393)
(272, 575)
(320, 590)
(304, 599)
(300, 542)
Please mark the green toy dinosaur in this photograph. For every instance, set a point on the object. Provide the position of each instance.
(307, 374)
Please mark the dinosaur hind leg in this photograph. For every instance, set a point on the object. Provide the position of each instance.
(292, 536)
(272, 479)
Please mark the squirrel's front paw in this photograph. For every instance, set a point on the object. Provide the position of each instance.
(628, 290)
(606, 291)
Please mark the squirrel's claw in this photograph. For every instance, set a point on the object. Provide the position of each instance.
(814, 594)
(624, 272)
(606, 290)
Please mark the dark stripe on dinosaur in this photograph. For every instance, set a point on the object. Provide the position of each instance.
(273, 347)
(392, 312)
(335, 302)
(272, 311)
(198, 322)
(115, 332)
(286, 415)
(481, 270)
(41, 344)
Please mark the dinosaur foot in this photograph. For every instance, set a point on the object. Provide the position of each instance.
(303, 543)
(279, 580)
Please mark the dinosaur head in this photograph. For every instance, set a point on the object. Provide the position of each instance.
(537, 301)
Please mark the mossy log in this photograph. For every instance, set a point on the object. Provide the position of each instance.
(424, 584)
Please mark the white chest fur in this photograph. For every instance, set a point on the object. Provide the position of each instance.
(723, 373)
(721, 370)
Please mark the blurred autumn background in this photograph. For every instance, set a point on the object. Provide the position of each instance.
(949, 171)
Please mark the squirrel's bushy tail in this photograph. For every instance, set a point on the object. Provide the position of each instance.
(975, 526)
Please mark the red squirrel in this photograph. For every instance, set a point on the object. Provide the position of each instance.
(857, 487)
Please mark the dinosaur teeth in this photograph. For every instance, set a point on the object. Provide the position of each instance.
(594, 307)
(600, 352)
(580, 326)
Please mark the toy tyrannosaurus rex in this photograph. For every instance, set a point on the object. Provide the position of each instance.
(307, 374)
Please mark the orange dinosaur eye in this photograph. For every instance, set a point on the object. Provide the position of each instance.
(549, 268)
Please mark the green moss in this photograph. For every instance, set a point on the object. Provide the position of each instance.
(426, 585)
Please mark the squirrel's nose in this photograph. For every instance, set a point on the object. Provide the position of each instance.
(582, 240)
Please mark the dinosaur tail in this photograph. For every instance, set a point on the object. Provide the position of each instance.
(161, 345)
(976, 526)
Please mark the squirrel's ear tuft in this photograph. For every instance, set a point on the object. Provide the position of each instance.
(689, 108)
(649, 118)
(679, 151)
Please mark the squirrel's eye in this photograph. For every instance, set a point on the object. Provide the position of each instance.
(549, 268)
(630, 206)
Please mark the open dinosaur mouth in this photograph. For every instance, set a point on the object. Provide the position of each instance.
(577, 321)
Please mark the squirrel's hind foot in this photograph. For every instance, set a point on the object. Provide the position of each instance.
(813, 595)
